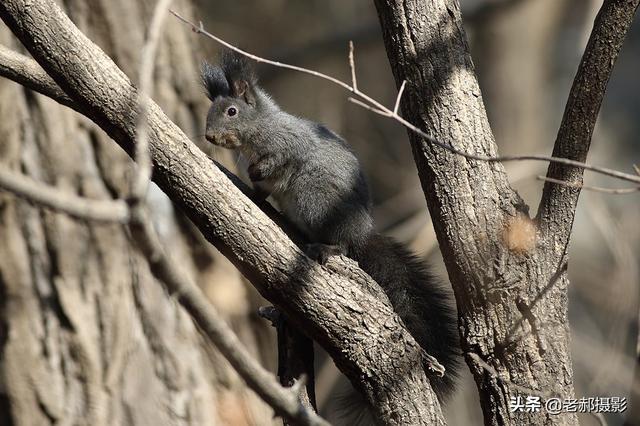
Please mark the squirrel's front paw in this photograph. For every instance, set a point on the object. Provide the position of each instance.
(322, 252)
(256, 174)
(262, 168)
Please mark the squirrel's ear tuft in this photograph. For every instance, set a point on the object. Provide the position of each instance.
(240, 75)
(237, 67)
(214, 81)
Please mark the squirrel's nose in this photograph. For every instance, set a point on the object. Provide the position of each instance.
(209, 136)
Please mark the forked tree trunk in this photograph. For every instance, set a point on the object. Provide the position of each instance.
(509, 272)
(86, 334)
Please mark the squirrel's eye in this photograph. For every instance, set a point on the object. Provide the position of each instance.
(232, 111)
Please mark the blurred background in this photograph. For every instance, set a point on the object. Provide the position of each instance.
(526, 53)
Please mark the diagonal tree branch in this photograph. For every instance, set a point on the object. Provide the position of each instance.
(27, 72)
(78, 207)
(286, 402)
(558, 203)
(340, 307)
(365, 101)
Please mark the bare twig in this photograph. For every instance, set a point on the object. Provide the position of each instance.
(352, 66)
(371, 104)
(590, 188)
(399, 97)
(78, 207)
(27, 72)
(147, 62)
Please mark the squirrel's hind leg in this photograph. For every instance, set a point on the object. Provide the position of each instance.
(322, 252)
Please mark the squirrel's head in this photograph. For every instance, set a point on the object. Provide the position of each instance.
(231, 86)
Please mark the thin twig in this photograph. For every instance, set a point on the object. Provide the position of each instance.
(141, 182)
(78, 207)
(399, 97)
(199, 29)
(371, 104)
(369, 107)
(30, 77)
(352, 65)
(590, 188)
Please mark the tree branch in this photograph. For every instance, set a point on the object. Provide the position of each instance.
(616, 191)
(558, 203)
(365, 101)
(78, 207)
(340, 307)
(489, 244)
(27, 72)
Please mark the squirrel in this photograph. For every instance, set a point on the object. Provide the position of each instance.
(318, 182)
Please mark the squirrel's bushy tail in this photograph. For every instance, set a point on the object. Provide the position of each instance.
(427, 310)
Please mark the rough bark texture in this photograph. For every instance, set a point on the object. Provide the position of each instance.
(86, 334)
(339, 306)
(508, 272)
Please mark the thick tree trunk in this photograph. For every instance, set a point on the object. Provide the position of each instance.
(86, 334)
(510, 286)
(508, 271)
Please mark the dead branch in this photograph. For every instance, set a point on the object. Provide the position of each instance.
(78, 207)
(377, 107)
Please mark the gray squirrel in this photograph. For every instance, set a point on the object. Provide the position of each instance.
(318, 183)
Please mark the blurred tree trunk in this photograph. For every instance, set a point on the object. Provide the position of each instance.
(518, 41)
(86, 335)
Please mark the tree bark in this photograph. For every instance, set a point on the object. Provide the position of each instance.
(508, 271)
(86, 334)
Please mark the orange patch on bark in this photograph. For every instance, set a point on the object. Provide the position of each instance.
(520, 234)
